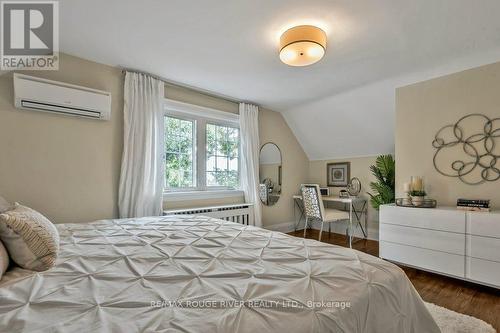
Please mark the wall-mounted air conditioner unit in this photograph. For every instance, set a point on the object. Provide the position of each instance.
(37, 94)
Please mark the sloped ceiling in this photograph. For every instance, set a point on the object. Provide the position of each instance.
(360, 122)
(341, 106)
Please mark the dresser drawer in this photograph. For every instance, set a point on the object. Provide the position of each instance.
(483, 271)
(483, 224)
(436, 261)
(429, 239)
(483, 247)
(445, 219)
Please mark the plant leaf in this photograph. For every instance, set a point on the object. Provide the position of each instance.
(384, 171)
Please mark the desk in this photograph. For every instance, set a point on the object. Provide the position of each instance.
(354, 211)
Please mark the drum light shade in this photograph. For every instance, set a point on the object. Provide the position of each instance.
(302, 45)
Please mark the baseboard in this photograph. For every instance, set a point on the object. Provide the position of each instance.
(285, 227)
(339, 228)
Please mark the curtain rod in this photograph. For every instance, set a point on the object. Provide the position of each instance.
(182, 85)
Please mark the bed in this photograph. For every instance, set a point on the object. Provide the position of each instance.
(199, 274)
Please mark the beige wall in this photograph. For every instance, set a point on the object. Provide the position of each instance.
(423, 108)
(360, 168)
(273, 128)
(67, 168)
(190, 96)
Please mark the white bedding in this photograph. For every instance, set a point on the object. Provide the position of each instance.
(125, 275)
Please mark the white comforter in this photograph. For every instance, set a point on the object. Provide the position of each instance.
(196, 274)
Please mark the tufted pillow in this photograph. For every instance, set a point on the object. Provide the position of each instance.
(4, 205)
(4, 260)
(30, 238)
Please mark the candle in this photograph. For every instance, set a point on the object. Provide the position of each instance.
(417, 184)
(406, 187)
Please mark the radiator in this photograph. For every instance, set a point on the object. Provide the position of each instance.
(238, 213)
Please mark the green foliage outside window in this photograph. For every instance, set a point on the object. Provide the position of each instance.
(222, 156)
(179, 153)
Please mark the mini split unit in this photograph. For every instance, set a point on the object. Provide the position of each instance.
(37, 94)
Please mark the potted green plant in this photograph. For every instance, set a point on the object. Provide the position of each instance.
(417, 197)
(384, 171)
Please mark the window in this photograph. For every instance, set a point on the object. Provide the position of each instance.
(179, 153)
(202, 149)
(222, 156)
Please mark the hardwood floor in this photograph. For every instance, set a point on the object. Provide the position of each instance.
(460, 296)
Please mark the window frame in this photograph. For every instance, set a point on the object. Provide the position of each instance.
(215, 187)
(202, 116)
(194, 155)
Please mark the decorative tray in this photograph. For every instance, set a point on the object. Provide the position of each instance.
(406, 202)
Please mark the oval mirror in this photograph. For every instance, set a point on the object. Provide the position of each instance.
(269, 174)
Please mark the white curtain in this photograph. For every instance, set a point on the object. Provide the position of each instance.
(142, 176)
(249, 133)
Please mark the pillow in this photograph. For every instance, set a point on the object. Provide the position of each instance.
(4, 260)
(4, 205)
(30, 238)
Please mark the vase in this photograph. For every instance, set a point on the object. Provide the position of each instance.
(417, 201)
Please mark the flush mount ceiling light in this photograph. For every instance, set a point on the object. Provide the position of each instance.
(302, 45)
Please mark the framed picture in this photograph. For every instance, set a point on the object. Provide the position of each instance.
(338, 174)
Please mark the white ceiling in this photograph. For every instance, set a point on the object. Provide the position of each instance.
(230, 47)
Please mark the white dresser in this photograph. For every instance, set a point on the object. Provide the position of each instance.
(443, 240)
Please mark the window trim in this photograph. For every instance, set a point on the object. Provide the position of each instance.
(194, 156)
(210, 122)
(174, 196)
(197, 111)
(202, 116)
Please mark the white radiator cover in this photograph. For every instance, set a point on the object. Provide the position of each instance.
(238, 213)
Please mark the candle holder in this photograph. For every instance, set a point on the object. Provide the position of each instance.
(415, 194)
(406, 189)
(417, 183)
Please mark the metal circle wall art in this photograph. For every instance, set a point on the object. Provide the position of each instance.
(475, 137)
